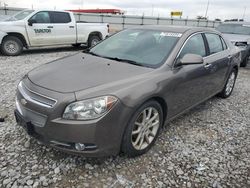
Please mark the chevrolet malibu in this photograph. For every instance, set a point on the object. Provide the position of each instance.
(116, 96)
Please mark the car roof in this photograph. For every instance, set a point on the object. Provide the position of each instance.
(176, 29)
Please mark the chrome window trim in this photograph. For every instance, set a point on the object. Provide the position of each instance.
(196, 33)
(21, 85)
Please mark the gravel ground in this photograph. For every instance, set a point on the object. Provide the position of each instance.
(207, 147)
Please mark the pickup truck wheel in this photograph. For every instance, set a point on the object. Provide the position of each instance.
(143, 129)
(93, 40)
(244, 62)
(229, 86)
(11, 46)
(76, 45)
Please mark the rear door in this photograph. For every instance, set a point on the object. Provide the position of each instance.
(64, 27)
(218, 59)
(41, 32)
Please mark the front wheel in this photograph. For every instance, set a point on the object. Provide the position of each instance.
(11, 46)
(228, 88)
(143, 129)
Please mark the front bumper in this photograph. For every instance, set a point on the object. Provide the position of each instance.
(101, 137)
(245, 52)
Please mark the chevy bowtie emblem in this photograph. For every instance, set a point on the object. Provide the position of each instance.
(24, 102)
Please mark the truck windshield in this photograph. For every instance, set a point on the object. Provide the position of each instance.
(21, 15)
(149, 48)
(239, 29)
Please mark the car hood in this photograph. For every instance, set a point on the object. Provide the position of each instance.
(82, 71)
(7, 26)
(237, 38)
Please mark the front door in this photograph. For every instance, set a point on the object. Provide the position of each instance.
(41, 31)
(192, 83)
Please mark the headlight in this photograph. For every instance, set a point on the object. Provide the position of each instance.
(89, 109)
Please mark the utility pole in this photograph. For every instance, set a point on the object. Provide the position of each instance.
(5, 8)
(152, 10)
(244, 13)
(207, 8)
(82, 3)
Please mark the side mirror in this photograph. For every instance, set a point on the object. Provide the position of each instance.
(240, 44)
(190, 59)
(31, 22)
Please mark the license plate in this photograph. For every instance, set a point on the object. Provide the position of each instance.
(26, 125)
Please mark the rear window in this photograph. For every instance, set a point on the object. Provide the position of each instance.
(60, 17)
(214, 43)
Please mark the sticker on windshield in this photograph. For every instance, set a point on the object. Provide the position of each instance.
(166, 34)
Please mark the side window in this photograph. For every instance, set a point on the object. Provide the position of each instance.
(41, 17)
(223, 43)
(194, 45)
(60, 17)
(214, 43)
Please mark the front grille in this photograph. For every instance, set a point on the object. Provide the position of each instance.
(30, 116)
(36, 98)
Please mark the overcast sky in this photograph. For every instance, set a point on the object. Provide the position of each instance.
(224, 9)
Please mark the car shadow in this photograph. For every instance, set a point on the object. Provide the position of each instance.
(53, 50)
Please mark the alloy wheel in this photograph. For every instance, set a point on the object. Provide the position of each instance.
(230, 83)
(145, 128)
(11, 46)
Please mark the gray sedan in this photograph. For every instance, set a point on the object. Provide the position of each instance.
(116, 96)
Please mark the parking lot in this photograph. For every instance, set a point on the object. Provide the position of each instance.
(208, 146)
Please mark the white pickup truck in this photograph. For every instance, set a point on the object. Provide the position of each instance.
(30, 28)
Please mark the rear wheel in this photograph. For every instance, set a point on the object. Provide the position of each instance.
(228, 89)
(11, 46)
(143, 129)
(93, 40)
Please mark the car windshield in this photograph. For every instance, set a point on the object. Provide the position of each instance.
(239, 29)
(149, 48)
(21, 15)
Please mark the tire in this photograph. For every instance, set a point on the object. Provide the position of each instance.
(136, 144)
(77, 45)
(93, 40)
(11, 46)
(229, 86)
(244, 62)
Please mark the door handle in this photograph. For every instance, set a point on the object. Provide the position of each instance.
(50, 27)
(229, 57)
(71, 27)
(207, 66)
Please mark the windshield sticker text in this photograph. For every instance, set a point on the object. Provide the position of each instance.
(165, 34)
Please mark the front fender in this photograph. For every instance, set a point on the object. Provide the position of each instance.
(2, 35)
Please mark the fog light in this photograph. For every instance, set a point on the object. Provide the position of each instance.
(79, 146)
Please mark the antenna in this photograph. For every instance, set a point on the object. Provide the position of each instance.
(207, 8)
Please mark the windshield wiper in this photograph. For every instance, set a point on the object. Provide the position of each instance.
(125, 60)
(115, 58)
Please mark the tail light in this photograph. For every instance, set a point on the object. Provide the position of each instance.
(108, 28)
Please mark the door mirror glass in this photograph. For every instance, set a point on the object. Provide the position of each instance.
(190, 59)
